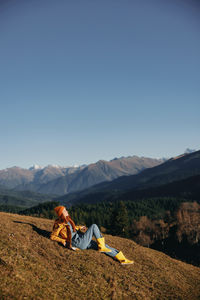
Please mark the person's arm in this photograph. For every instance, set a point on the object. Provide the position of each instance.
(55, 235)
(80, 227)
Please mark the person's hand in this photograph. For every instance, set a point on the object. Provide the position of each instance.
(74, 248)
(83, 228)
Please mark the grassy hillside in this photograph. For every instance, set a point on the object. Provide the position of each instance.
(34, 267)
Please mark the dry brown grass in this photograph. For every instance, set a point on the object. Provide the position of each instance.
(34, 267)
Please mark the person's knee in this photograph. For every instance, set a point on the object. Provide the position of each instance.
(95, 226)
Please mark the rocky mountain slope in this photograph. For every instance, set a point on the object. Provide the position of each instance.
(34, 267)
(58, 180)
(98, 172)
(175, 169)
(26, 179)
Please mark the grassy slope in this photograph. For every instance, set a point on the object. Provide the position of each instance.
(34, 267)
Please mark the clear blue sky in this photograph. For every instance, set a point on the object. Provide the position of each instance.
(87, 80)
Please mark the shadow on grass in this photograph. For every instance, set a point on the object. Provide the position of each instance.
(41, 232)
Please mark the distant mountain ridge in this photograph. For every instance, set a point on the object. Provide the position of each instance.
(60, 180)
(20, 178)
(98, 172)
(175, 169)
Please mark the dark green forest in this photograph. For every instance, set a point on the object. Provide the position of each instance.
(116, 217)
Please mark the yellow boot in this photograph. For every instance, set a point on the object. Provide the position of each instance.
(122, 259)
(101, 245)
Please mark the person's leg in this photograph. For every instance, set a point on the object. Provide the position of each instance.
(113, 252)
(100, 239)
(85, 239)
(118, 255)
(95, 231)
(93, 245)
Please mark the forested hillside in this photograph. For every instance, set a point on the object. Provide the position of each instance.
(15, 201)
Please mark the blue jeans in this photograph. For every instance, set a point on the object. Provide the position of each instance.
(84, 240)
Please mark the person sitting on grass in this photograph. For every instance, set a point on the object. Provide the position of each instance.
(66, 232)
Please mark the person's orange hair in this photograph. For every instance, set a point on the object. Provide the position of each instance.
(59, 210)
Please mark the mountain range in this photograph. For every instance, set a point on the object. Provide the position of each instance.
(175, 169)
(62, 180)
(104, 180)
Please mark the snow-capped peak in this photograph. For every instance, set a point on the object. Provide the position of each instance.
(35, 167)
(54, 166)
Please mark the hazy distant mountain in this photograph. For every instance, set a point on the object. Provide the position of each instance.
(175, 169)
(29, 179)
(98, 172)
(60, 180)
(14, 176)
